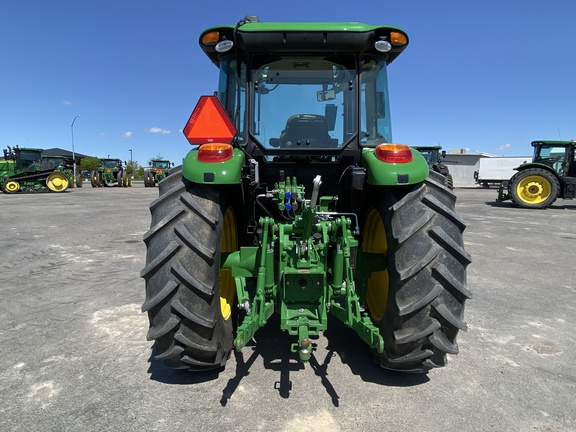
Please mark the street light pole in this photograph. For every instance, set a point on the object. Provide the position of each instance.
(131, 164)
(73, 154)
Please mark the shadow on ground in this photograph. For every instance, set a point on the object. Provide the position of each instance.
(272, 345)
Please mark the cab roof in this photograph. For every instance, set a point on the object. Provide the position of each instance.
(252, 36)
(553, 142)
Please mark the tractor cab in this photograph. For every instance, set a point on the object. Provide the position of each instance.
(159, 164)
(303, 93)
(557, 155)
(25, 159)
(110, 164)
(432, 154)
(55, 162)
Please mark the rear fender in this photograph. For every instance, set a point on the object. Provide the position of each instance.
(227, 172)
(394, 174)
(543, 166)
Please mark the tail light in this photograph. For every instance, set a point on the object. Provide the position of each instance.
(394, 153)
(215, 152)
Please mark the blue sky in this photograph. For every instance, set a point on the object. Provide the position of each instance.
(488, 76)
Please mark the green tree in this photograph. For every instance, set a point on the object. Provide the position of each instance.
(90, 163)
(132, 167)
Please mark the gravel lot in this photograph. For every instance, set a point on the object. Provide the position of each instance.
(75, 355)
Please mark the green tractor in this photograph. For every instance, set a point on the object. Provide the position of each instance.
(64, 165)
(434, 156)
(296, 202)
(157, 171)
(22, 171)
(111, 172)
(550, 175)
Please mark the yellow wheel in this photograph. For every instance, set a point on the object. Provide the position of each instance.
(228, 243)
(57, 182)
(534, 188)
(12, 186)
(378, 284)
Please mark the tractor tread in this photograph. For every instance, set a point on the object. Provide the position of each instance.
(171, 352)
(191, 282)
(160, 260)
(192, 242)
(407, 335)
(160, 296)
(195, 318)
(161, 330)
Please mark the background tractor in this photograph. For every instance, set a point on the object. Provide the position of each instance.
(434, 156)
(297, 203)
(111, 171)
(64, 165)
(22, 171)
(157, 171)
(550, 175)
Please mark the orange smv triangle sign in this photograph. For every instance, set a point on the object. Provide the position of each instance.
(209, 123)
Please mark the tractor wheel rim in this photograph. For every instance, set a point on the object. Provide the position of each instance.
(534, 189)
(57, 182)
(12, 186)
(378, 283)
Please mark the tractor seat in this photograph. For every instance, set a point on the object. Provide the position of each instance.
(307, 131)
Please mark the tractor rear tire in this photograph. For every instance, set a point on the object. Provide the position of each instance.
(449, 181)
(534, 188)
(182, 275)
(418, 302)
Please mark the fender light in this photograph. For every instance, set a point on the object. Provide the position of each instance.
(215, 152)
(394, 153)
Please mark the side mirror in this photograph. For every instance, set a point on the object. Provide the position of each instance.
(325, 95)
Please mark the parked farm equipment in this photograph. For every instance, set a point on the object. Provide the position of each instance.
(158, 171)
(550, 175)
(111, 172)
(21, 171)
(63, 165)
